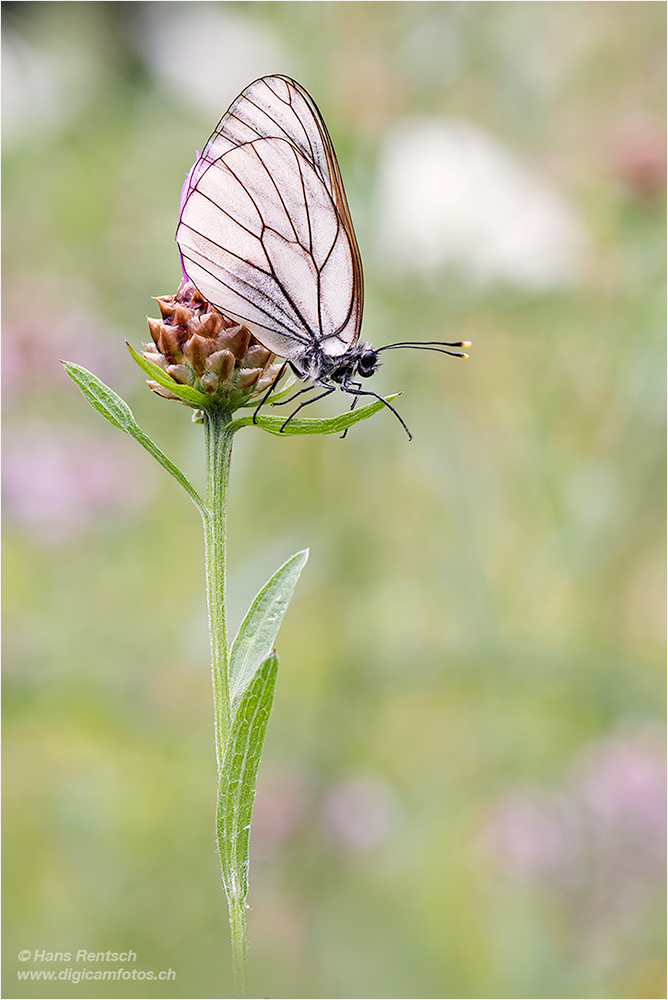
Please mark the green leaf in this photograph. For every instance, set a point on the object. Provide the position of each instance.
(184, 392)
(257, 632)
(101, 397)
(312, 425)
(238, 777)
(117, 412)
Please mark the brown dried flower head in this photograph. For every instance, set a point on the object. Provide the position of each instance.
(197, 346)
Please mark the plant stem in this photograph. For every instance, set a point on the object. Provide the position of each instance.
(218, 453)
(219, 436)
(239, 935)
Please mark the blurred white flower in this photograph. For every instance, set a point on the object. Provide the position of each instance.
(208, 53)
(44, 84)
(449, 194)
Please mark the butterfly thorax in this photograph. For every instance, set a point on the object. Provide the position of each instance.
(318, 366)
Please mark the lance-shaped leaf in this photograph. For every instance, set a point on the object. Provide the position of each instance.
(117, 412)
(257, 632)
(312, 425)
(238, 775)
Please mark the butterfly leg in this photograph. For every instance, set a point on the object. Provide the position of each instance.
(358, 385)
(369, 392)
(327, 392)
(269, 391)
(282, 402)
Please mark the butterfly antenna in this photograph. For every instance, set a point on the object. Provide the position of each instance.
(430, 345)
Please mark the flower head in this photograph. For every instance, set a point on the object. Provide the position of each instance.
(196, 346)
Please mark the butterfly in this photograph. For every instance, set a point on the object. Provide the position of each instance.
(265, 235)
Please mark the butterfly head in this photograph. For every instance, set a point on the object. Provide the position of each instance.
(368, 361)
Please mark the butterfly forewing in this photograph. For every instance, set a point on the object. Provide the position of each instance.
(265, 231)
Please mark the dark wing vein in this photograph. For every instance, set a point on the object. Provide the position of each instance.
(251, 299)
(293, 87)
(225, 249)
(280, 284)
(306, 212)
(280, 196)
(272, 119)
(231, 114)
(220, 208)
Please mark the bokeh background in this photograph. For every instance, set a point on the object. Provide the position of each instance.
(461, 791)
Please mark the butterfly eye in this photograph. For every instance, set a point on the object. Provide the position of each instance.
(368, 363)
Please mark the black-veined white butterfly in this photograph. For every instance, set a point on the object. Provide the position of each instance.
(265, 235)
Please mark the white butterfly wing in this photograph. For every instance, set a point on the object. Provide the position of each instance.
(265, 232)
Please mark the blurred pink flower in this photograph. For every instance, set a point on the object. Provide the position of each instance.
(599, 839)
(359, 813)
(639, 155)
(622, 783)
(282, 802)
(524, 834)
(38, 329)
(58, 481)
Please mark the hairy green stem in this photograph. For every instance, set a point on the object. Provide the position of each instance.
(219, 436)
(239, 936)
(218, 454)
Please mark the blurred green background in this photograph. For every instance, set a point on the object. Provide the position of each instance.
(461, 790)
